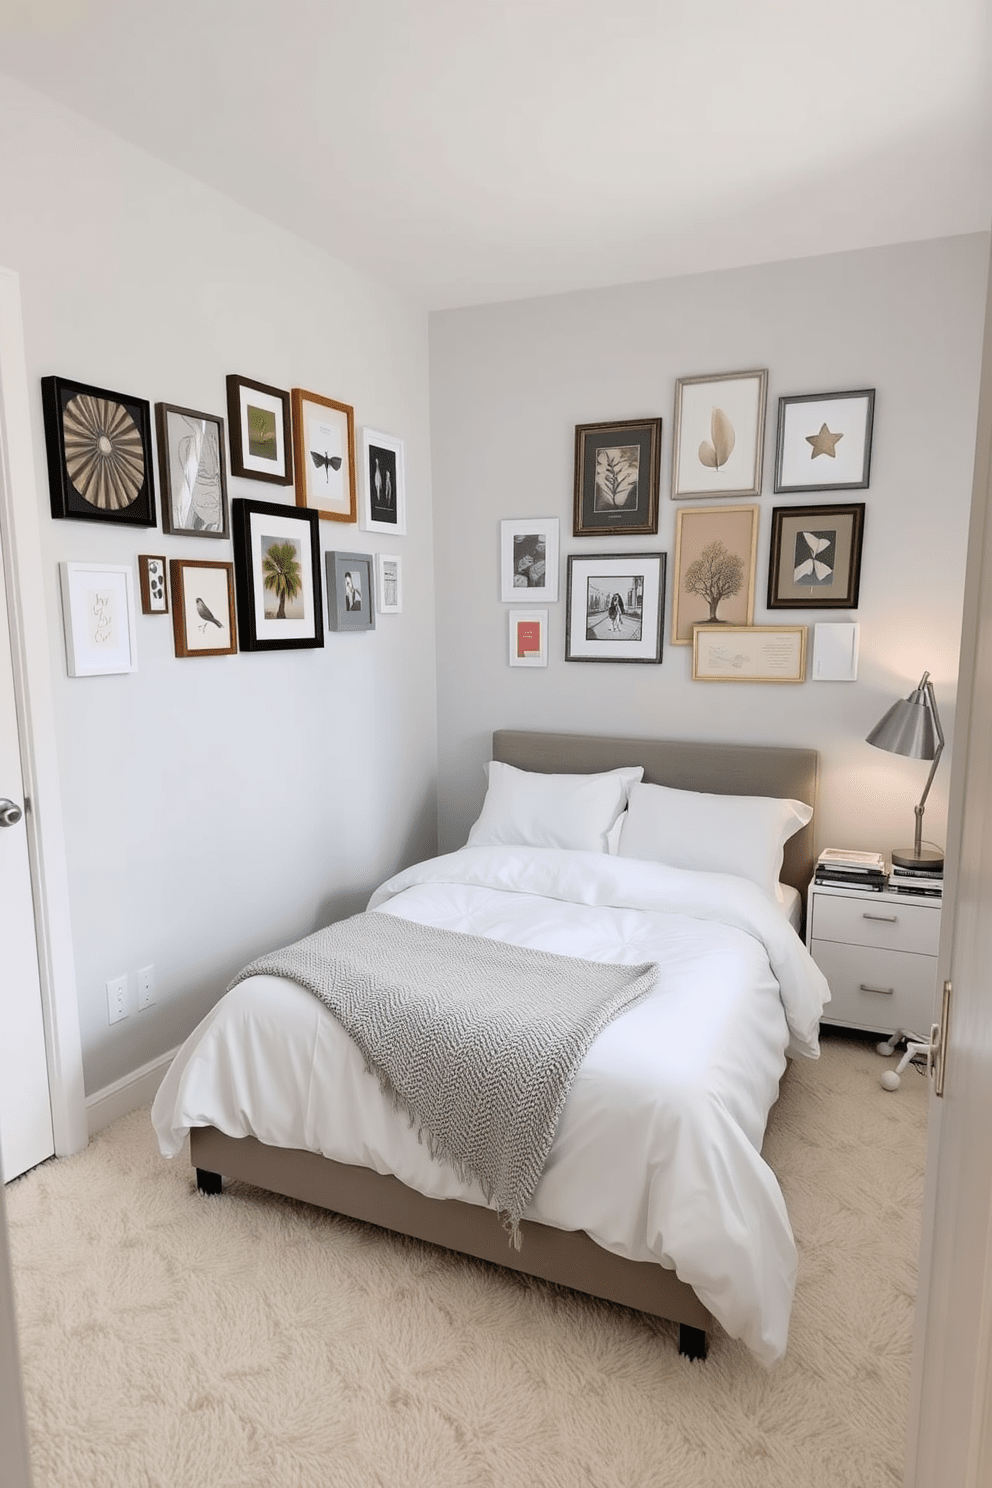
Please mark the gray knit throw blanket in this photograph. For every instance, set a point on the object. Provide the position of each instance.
(477, 1040)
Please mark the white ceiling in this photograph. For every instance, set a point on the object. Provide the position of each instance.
(474, 150)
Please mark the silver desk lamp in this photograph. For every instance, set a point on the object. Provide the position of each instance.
(912, 728)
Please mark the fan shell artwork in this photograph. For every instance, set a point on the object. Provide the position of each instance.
(103, 452)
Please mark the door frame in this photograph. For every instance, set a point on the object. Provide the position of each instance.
(30, 649)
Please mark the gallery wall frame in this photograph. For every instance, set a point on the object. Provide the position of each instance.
(814, 560)
(383, 506)
(749, 653)
(617, 478)
(528, 638)
(388, 583)
(529, 559)
(98, 618)
(324, 450)
(823, 441)
(99, 447)
(350, 591)
(718, 446)
(203, 618)
(715, 553)
(192, 468)
(153, 583)
(260, 431)
(615, 607)
(276, 576)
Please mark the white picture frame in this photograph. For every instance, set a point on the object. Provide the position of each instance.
(98, 618)
(388, 583)
(528, 638)
(719, 438)
(382, 507)
(529, 560)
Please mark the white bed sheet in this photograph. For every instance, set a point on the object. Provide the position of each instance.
(657, 1155)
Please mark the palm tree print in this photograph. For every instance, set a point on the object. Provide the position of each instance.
(282, 574)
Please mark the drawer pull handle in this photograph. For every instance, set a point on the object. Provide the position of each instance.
(889, 919)
(885, 991)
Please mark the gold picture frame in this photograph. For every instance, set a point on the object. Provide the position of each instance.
(711, 536)
(749, 653)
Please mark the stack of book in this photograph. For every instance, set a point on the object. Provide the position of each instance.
(927, 882)
(848, 869)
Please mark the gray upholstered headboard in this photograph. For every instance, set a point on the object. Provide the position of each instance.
(723, 769)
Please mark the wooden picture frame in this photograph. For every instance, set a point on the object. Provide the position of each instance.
(192, 468)
(719, 435)
(814, 560)
(153, 583)
(383, 484)
(528, 638)
(99, 447)
(615, 607)
(276, 576)
(529, 560)
(260, 431)
(823, 442)
(324, 448)
(98, 618)
(388, 583)
(350, 591)
(723, 541)
(617, 478)
(749, 653)
(203, 620)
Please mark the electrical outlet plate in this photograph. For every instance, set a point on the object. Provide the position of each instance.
(117, 999)
(145, 979)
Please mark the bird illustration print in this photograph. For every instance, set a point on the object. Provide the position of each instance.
(207, 616)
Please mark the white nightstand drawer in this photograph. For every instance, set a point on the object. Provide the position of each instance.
(892, 925)
(850, 970)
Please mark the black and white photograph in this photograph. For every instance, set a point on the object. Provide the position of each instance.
(615, 607)
(192, 472)
(617, 475)
(350, 591)
(529, 559)
(383, 505)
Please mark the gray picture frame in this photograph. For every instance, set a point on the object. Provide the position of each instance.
(350, 577)
(192, 467)
(811, 428)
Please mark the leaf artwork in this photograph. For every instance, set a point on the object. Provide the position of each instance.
(616, 477)
(716, 451)
(812, 549)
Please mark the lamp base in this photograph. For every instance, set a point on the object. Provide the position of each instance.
(927, 857)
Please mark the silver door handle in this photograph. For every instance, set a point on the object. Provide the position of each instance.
(10, 813)
(885, 991)
(889, 919)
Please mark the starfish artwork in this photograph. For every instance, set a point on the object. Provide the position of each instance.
(823, 443)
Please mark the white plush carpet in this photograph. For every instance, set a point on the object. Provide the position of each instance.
(175, 1341)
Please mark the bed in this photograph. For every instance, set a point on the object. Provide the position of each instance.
(647, 1210)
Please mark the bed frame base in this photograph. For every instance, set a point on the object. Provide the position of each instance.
(567, 1257)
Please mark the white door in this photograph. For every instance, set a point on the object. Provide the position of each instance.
(26, 1135)
(950, 1435)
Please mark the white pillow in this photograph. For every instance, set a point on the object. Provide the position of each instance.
(717, 834)
(528, 809)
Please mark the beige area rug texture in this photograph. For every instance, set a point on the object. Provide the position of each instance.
(170, 1340)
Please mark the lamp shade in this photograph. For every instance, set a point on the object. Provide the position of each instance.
(907, 728)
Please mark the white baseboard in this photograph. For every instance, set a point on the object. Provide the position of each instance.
(134, 1090)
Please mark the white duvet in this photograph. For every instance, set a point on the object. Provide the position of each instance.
(657, 1155)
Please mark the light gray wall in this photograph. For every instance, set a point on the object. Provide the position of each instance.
(215, 806)
(509, 383)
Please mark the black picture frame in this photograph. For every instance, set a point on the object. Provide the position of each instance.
(99, 446)
(636, 632)
(192, 480)
(251, 455)
(814, 559)
(350, 591)
(617, 477)
(257, 526)
(811, 428)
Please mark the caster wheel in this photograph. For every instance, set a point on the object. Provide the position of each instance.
(890, 1080)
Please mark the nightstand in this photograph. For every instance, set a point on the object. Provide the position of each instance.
(879, 954)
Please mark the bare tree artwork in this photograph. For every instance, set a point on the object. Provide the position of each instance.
(616, 477)
(715, 575)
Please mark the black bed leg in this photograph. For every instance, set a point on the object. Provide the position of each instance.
(692, 1342)
(207, 1182)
